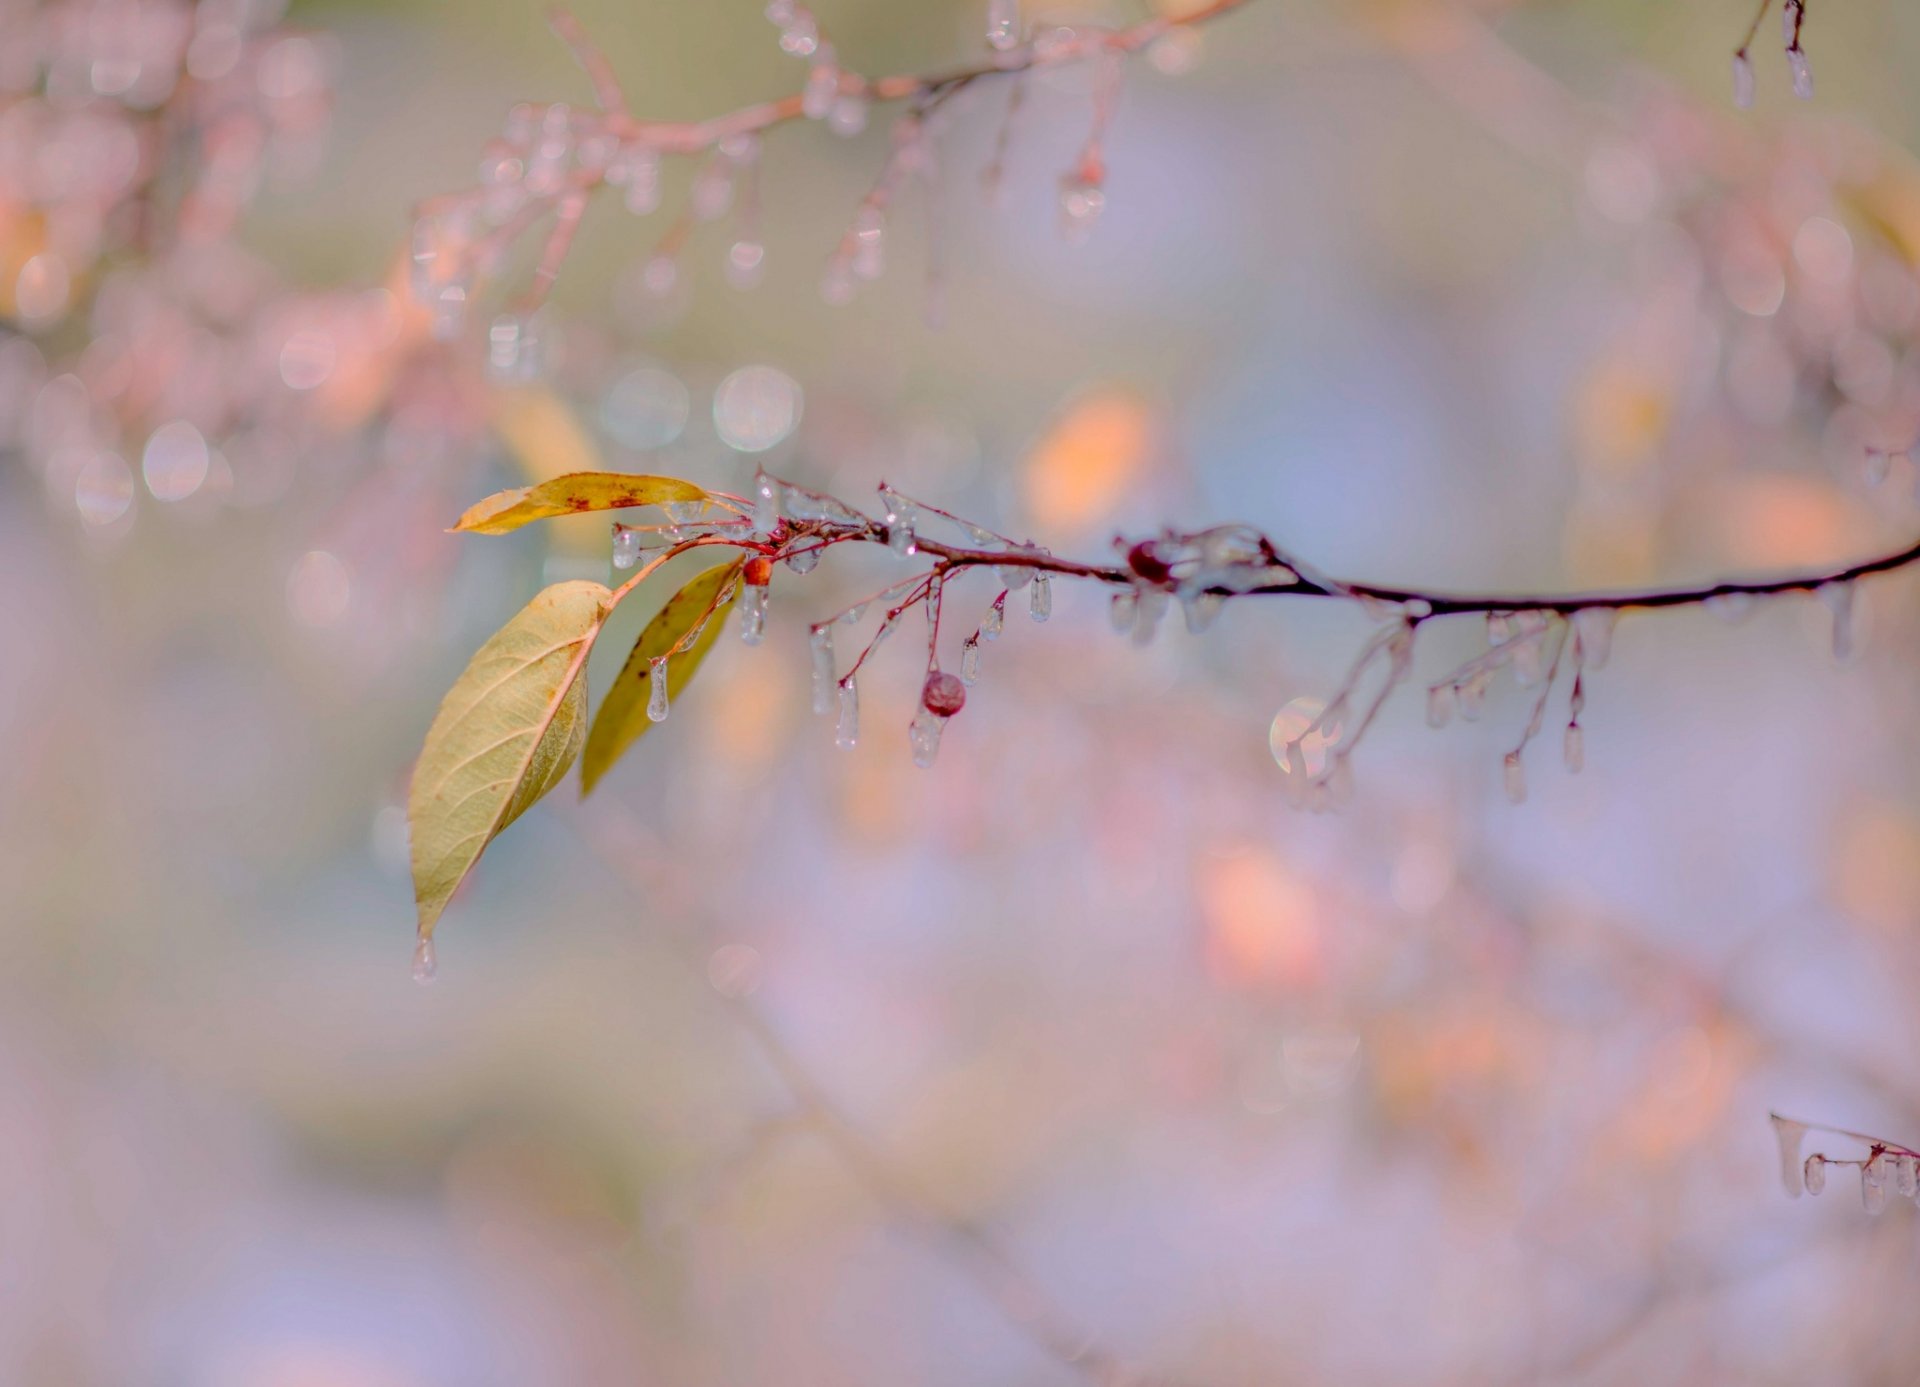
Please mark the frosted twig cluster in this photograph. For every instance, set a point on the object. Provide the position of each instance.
(1793, 14)
(551, 159)
(1549, 642)
(1882, 1164)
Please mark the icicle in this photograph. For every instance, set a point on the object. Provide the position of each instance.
(1873, 1183)
(805, 557)
(1003, 24)
(846, 732)
(1440, 701)
(1790, 14)
(1514, 776)
(970, 659)
(823, 84)
(1013, 576)
(657, 689)
(1573, 748)
(1120, 613)
(869, 256)
(1201, 610)
(995, 620)
(1148, 609)
(426, 964)
(1040, 597)
(626, 546)
(753, 613)
(900, 515)
(1742, 81)
(1803, 88)
(1473, 696)
(924, 735)
(1816, 1173)
(1593, 628)
(1906, 1176)
(1790, 1135)
(820, 643)
(766, 504)
(1839, 600)
(1081, 202)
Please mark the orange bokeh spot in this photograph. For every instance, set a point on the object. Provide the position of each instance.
(1262, 923)
(1086, 461)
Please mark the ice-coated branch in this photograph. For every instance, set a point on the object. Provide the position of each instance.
(1883, 1162)
(551, 159)
(1532, 636)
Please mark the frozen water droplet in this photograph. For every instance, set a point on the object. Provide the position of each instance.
(426, 964)
(1838, 598)
(849, 114)
(820, 645)
(1790, 1134)
(823, 84)
(846, 732)
(1742, 81)
(1201, 610)
(1816, 1173)
(766, 503)
(805, 557)
(626, 546)
(1440, 701)
(1906, 1175)
(753, 613)
(1003, 24)
(1121, 611)
(1573, 748)
(1473, 695)
(1040, 597)
(970, 659)
(1802, 88)
(1730, 606)
(657, 689)
(1081, 203)
(995, 620)
(923, 733)
(1514, 777)
(1148, 608)
(1873, 1184)
(1014, 576)
(1593, 628)
(900, 514)
(854, 613)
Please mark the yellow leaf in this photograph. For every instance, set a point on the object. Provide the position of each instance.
(507, 731)
(701, 607)
(571, 495)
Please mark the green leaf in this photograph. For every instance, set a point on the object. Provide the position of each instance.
(573, 494)
(506, 732)
(702, 604)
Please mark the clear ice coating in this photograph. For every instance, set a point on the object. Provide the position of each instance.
(1120, 612)
(1040, 597)
(1003, 24)
(923, 733)
(900, 514)
(1573, 748)
(1906, 1176)
(805, 557)
(1802, 80)
(753, 613)
(1742, 81)
(995, 620)
(970, 659)
(1149, 607)
(1593, 628)
(1839, 601)
(1514, 776)
(626, 546)
(1816, 1173)
(1790, 1134)
(1440, 701)
(766, 503)
(1873, 1183)
(820, 645)
(846, 732)
(657, 689)
(1201, 610)
(426, 964)
(1730, 606)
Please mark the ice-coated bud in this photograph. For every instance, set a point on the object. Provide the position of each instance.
(1816, 1173)
(846, 732)
(943, 695)
(1040, 597)
(1790, 1134)
(657, 689)
(1803, 88)
(1514, 777)
(1742, 81)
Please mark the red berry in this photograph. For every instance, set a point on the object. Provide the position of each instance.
(944, 695)
(759, 571)
(1143, 560)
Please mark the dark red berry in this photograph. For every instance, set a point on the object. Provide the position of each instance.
(759, 571)
(944, 695)
(1144, 561)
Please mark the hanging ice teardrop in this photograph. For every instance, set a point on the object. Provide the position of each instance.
(995, 620)
(846, 732)
(753, 613)
(1802, 74)
(426, 964)
(923, 733)
(820, 644)
(1873, 1183)
(1120, 612)
(657, 689)
(1573, 748)
(1838, 598)
(1003, 24)
(970, 659)
(626, 546)
(1742, 81)
(766, 503)
(1440, 701)
(1514, 777)
(1040, 597)
(1593, 628)
(1790, 1135)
